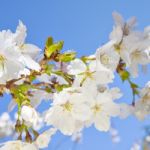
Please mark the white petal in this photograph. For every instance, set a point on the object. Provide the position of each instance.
(31, 50)
(131, 22)
(112, 109)
(81, 112)
(102, 122)
(119, 21)
(116, 35)
(77, 66)
(30, 63)
(20, 34)
(43, 139)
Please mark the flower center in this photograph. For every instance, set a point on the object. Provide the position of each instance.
(104, 59)
(102, 89)
(136, 55)
(89, 74)
(117, 47)
(67, 106)
(2, 58)
(96, 108)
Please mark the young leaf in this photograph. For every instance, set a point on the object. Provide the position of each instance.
(53, 47)
(124, 75)
(48, 69)
(67, 56)
(49, 42)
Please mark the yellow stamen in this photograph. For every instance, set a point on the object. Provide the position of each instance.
(104, 59)
(96, 108)
(67, 106)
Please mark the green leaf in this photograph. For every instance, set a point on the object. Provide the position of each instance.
(49, 42)
(24, 87)
(32, 77)
(59, 88)
(26, 102)
(85, 59)
(48, 69)
(53, 47)
(20, 94)
(133, 85)
(48, 90)
(67, 56)
(124, 75)
(135, 92)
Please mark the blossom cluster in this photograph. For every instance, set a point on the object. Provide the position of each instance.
(77, 89)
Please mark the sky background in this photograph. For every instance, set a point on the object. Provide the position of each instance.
(84, 25)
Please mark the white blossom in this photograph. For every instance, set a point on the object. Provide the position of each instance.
(85, 97)
(121, 27)
(6, 125)
(108, 56)
(136, 146)
(131, 45)
(43, 139)
(9, 56)
(102, 106)
(15, 55)
(76, 67)
(68, 111)
(17, 145)
(147, 138)
(29, 115)
(94, 71)
(142, 106)
(114, 135)
(29, 51)
(77, 137)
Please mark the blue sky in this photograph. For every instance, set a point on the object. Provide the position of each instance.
(83, 25)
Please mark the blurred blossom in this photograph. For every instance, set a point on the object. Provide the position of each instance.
(6, 125)
(136, 146)
(77, 137)
(114, 135)
(147, 138)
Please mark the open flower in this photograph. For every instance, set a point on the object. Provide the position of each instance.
(68, 111)
(142, 106)
(131, 45)
(9, 58)
(15, 55)
(102, 106)
(107, 56)
(29, 51)
(93, 71)
(121, 27)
